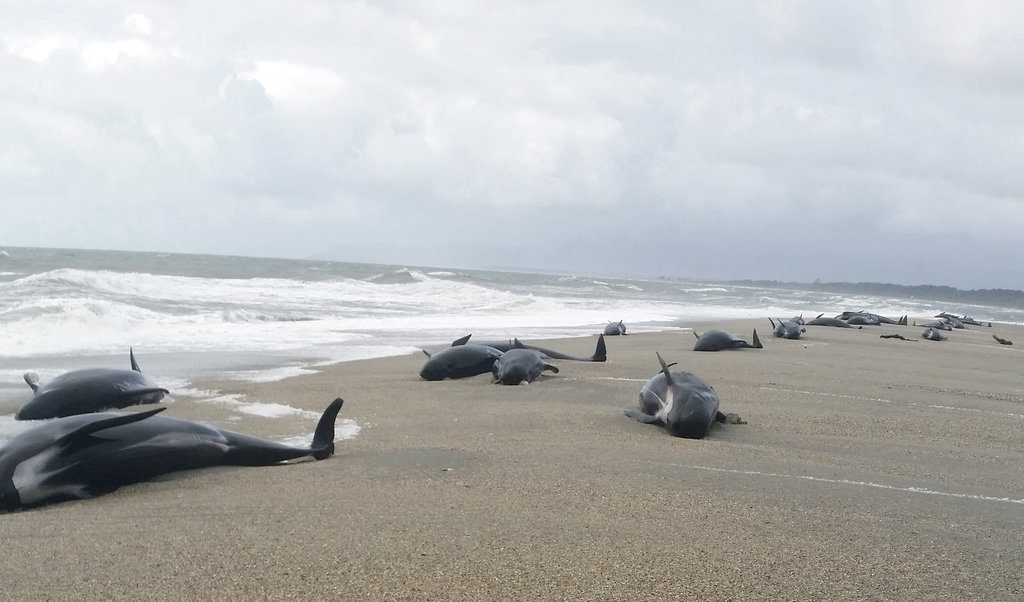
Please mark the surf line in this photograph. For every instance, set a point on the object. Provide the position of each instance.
(881, 400)
(921, 490)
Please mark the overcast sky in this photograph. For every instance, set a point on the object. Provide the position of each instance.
(861, 140)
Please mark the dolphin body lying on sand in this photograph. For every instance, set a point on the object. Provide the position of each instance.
(615, 329)
(836, 322)
(88, 391)
(520, 365)
(681, 402)
(600, 353)
(718, 340)
(787, 329)
(88, 455)
(459, 362)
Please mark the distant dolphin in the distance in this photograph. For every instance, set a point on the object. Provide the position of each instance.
(88, 391)
(718, 340)
(88, 455)
(835, 322)
(600, 352)
(787, 329)
(615, 329)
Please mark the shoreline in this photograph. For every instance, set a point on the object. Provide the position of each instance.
(868, 468)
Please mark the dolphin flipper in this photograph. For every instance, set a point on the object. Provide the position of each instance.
(639, 416)
(80, 437)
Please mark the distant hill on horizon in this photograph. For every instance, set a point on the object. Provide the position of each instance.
(1002, 297)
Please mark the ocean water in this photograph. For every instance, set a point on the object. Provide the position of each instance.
(194, 317)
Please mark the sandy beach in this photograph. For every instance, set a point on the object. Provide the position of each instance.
(868, 469)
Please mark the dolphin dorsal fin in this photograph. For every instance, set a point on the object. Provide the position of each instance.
(664, 369)
(819, 315)
(32, 380)
(135, 364)
(461, 341)
(517, 344)
(695, 334)
(601, 352)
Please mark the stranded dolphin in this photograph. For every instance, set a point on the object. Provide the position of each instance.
(520, 365)
(92, 454)
(820, 321)
(88, 391)
(459, 362)
(787, 329)
(932, 334)
(600, 353)
(681, 402)
(717, 340)
(615, 328)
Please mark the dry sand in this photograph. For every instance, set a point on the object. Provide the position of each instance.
(869, 469)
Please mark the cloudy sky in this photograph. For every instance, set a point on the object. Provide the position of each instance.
(859, 140)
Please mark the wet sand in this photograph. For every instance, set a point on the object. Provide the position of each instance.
(869, 469)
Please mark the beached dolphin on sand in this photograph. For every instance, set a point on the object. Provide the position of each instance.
(717, 340)
(600, 352)
(520, 365)
(615, 328)
(681, 402)
(787, 329)
(92, 454)
(88, 391)
(459, 362)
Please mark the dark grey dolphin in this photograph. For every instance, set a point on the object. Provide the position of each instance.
(836, 322)
(600, 353)
(871, 319)
(88, 455)
(861, 320)
(787, 329)
(680, 401)
(932, 334)
(956, 321)
(717, 340)
(88, 391)
(520, 365)
(615, 328)
(939, 325)
(459, 362)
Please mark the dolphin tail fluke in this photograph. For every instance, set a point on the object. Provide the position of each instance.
(772, 321)
(32, 380)
(135, 364)
(323, 436)
(461, 340)
(757, 342)
(697, 336)
(601, 353)
(903, 321)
